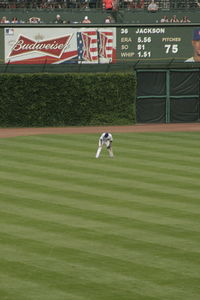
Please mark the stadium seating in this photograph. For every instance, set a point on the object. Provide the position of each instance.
(73, 11)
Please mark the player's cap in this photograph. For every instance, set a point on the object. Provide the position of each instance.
(106, 134)
(86, 18)
(196, 34)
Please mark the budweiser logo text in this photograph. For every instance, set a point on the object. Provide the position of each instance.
(54, 47)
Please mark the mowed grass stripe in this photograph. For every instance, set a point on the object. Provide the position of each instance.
(154, 243)
(130, 173)
(22, 180)
(107, 276)
(143, 261)
(83, 213)
(94, 186)
(13, 288)
(122, 165)
(188, 140)
(154, 153)
(163, 142)
(72, 153)
(104, 199)
(174, 217)
(69, 177)
(75, 145)
(145, 255)
(59, 262)
(135, 190)
(64, 175)
(97, 288)
(103, 165)
(120, 178)
(170, 137)
(99, 220)
(68, 219)
(96, 238)
(186, 268)
(64, 282)
(176, 140)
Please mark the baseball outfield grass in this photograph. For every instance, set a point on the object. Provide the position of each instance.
(73, 227)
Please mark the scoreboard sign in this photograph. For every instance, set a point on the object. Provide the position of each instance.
(60, 45)
(159, 43)
(100, 44)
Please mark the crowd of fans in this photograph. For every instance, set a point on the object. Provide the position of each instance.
(57, 20)
(174, 19)
(151, 5)
(61, 4)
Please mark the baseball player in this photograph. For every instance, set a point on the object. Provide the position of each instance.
(105, 139)
(196, 47)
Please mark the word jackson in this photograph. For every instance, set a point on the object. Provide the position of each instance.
(150, 30)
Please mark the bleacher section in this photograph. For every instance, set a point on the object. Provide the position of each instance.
(73, 11)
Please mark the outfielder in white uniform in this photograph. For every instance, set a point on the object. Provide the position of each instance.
(105, 139)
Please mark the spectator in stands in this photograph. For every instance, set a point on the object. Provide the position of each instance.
(196, 46)
(58, 20)
(86, 20)
(109, 19)
(174, 19)
(114, 4)
(152, 7)
(164, 19)
(198, 4)
(34, 20)
(4, 20)
(129, 4)
(108, 4)
(83, 4)
(139, 4)
(185, 19)
(15, 20)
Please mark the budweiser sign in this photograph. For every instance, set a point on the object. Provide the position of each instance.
(53, 47)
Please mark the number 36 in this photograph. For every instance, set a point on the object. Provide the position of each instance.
(124, 30)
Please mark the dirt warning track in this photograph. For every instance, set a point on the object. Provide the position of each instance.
(12, 132)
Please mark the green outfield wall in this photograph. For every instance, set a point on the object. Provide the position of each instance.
(33, 100)
(168, 95)
(161, 55)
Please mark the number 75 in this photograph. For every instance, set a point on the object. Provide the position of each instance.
(171, 48)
